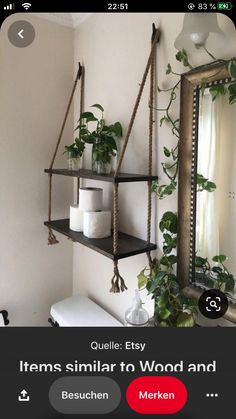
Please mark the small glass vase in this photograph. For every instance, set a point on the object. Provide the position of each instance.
(103, 168)
(73, 163)
(101, 162)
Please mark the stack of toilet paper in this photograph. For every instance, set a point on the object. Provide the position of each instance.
(88, 217)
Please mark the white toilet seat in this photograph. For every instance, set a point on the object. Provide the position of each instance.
(80, 311)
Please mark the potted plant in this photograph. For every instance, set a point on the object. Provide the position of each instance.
(101, 136)
(74, 153)
(172, 308)
(216, 276)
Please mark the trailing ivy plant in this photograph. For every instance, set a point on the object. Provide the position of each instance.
(172, 308)
(170, 169)
(216, 276)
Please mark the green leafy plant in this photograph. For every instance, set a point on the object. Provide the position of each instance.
(216, 276)
(76, 149)
(95, 131)
(172, 308)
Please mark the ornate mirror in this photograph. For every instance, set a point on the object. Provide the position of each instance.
(207, 179)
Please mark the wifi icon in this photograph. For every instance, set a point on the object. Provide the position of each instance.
(26, 5)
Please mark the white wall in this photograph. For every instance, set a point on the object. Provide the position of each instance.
(35, 84)
(114, 49)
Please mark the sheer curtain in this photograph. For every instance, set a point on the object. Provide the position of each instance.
(207, 220)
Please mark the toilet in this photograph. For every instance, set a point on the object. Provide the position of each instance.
(80, 311)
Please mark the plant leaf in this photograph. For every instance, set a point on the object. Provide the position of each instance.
(217, 269)
(86, 115)
(185, 320)
(142, 279)
(163, 324)
(232, 93)
(169, 222)
(163, 119)
(155, 282)
(168, 239)
(230, 284)
(203, 85)
(163, 300)
(209, 186)
(217, 91)
(167, 152)
(164, 313)
(118, 129)
(111, 142)
(169, 69)
(164, 261)
(219, 258)
(200, 262)
(232, 68)
(182, 56)
(172, 259)
(96, 105)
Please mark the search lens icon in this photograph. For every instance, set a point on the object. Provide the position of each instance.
(213, 304)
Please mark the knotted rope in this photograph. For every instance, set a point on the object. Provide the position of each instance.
(51, 237)
(117, 282)
(150, 150)
(81, 111)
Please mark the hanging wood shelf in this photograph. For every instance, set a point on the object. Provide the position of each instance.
(119, 245)
(128, 245)
(89, 174)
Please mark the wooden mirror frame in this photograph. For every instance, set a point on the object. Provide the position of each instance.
(215, 73)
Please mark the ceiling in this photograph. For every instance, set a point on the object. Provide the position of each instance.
(67, 19)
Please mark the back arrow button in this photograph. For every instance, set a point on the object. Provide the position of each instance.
(20, 34)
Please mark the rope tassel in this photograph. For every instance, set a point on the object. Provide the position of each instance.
(150, 262)
(51, 237)
(117, 282)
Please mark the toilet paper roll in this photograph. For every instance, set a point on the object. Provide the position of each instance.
(97, 224)
(2, 323)
(90, 199)
(76, 218)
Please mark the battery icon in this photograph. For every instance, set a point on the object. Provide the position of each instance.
(224, 6)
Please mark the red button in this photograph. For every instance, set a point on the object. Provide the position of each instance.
(156, 395)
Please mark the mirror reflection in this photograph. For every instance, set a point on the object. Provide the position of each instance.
(215, 246)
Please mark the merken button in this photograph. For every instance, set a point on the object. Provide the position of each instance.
(156, 395)
(84, 395)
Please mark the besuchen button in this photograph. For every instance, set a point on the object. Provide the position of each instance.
(84, 395)
(156, 395)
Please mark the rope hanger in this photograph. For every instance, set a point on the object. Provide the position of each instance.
(80, 75)
(117, 282)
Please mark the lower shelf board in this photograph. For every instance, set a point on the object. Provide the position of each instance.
(128, 245)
